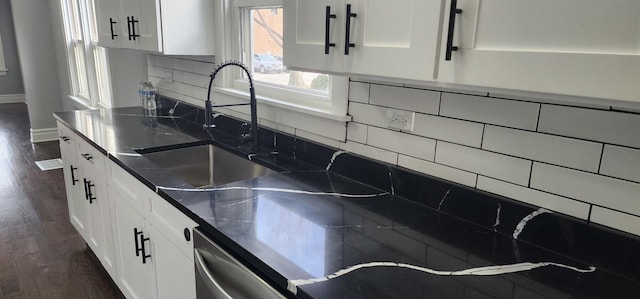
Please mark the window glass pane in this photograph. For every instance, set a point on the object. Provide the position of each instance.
(93, 26)
(81, 70)
(264, 47)
(104, 91)
(74, 20)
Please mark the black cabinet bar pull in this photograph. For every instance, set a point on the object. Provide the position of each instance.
(347, 36)
(87, 157)
(90, 196)
(327, 29)
(145, 256)
(111, 22)
(64, 138)
(133, 28)
(86, 193)
(129, 27)
(452, 24)
(73, 176)
(135, 237)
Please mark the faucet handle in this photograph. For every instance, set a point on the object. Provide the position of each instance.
(245, 133)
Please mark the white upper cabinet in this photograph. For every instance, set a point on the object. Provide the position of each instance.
(394, 38)
(381, 38)
(170, 27)
(109, 23)
(575, 47)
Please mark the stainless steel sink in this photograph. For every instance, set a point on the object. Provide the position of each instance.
(205, 166)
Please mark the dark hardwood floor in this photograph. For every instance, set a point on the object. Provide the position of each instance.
(41, 254)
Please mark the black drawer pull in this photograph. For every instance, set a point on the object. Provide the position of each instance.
(86, 192)
(87, 157)
(145, 256)
(452, 24)
(327, 29)
(89, 192)
(73, 176)
(111, 22)
(347, 36)
(135, 237)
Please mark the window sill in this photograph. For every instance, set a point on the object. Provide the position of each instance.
(318, 112)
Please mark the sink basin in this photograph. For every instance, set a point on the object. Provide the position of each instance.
(205, 166)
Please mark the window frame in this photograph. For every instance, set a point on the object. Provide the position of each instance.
(231, 82)
(83, 38)
(3, 65)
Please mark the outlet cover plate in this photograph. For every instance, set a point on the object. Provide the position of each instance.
(400, 120)
(168, 77)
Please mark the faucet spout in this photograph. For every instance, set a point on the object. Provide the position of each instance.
(208, 117)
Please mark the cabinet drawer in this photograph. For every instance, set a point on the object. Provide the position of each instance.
(172, 223)
(127, 186)
(91, 159)
(67, 139)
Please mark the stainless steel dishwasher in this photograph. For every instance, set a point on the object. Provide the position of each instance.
(219, 275)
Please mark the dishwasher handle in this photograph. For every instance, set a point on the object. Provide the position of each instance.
(214, 287)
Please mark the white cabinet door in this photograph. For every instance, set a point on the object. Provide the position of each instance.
(575, 47)
(111, 26)
(305, 34)
(101, 237)
(396, 39)
(175, 273)
(142, 18)
(135, 267)
(78, 209)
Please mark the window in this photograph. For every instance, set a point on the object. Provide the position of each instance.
(3, 66)
(87, 61)
(256, 27)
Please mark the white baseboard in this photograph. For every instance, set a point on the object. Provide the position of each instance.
(11, 98)
(42, 135)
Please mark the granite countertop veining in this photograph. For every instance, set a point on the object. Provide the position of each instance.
(334, 225)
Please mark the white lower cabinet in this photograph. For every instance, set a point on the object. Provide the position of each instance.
(152, 262)
(142, 241)
(85, 181)
(133, 246)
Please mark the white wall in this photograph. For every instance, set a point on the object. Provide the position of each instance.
(579, 161)
(38, 31)
(11, 83)
(128, 68)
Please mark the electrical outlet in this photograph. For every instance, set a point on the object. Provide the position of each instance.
(401, 120)
(168, 77)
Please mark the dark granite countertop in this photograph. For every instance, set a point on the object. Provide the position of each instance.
(335, 225)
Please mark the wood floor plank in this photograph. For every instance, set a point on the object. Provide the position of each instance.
(41, 254)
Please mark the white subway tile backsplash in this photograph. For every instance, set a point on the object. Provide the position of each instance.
(592, 188)
(514, 114)
(437, 170)
(537, 198)
(193, 79)
(574, 153)
(494, 165)
(368, 114)
(418, 100)
(370, 151)
(357, 132)
(617, 220)
(605, 126)
(317, 138)
(359, 92)
(402, 143)
(448, 129)
(621, 162)
(197, 67)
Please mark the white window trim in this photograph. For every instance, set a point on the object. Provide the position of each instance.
(94, 99)
(3, 66)
(326, 118)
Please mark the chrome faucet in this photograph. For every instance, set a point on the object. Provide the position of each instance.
(208, 116)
